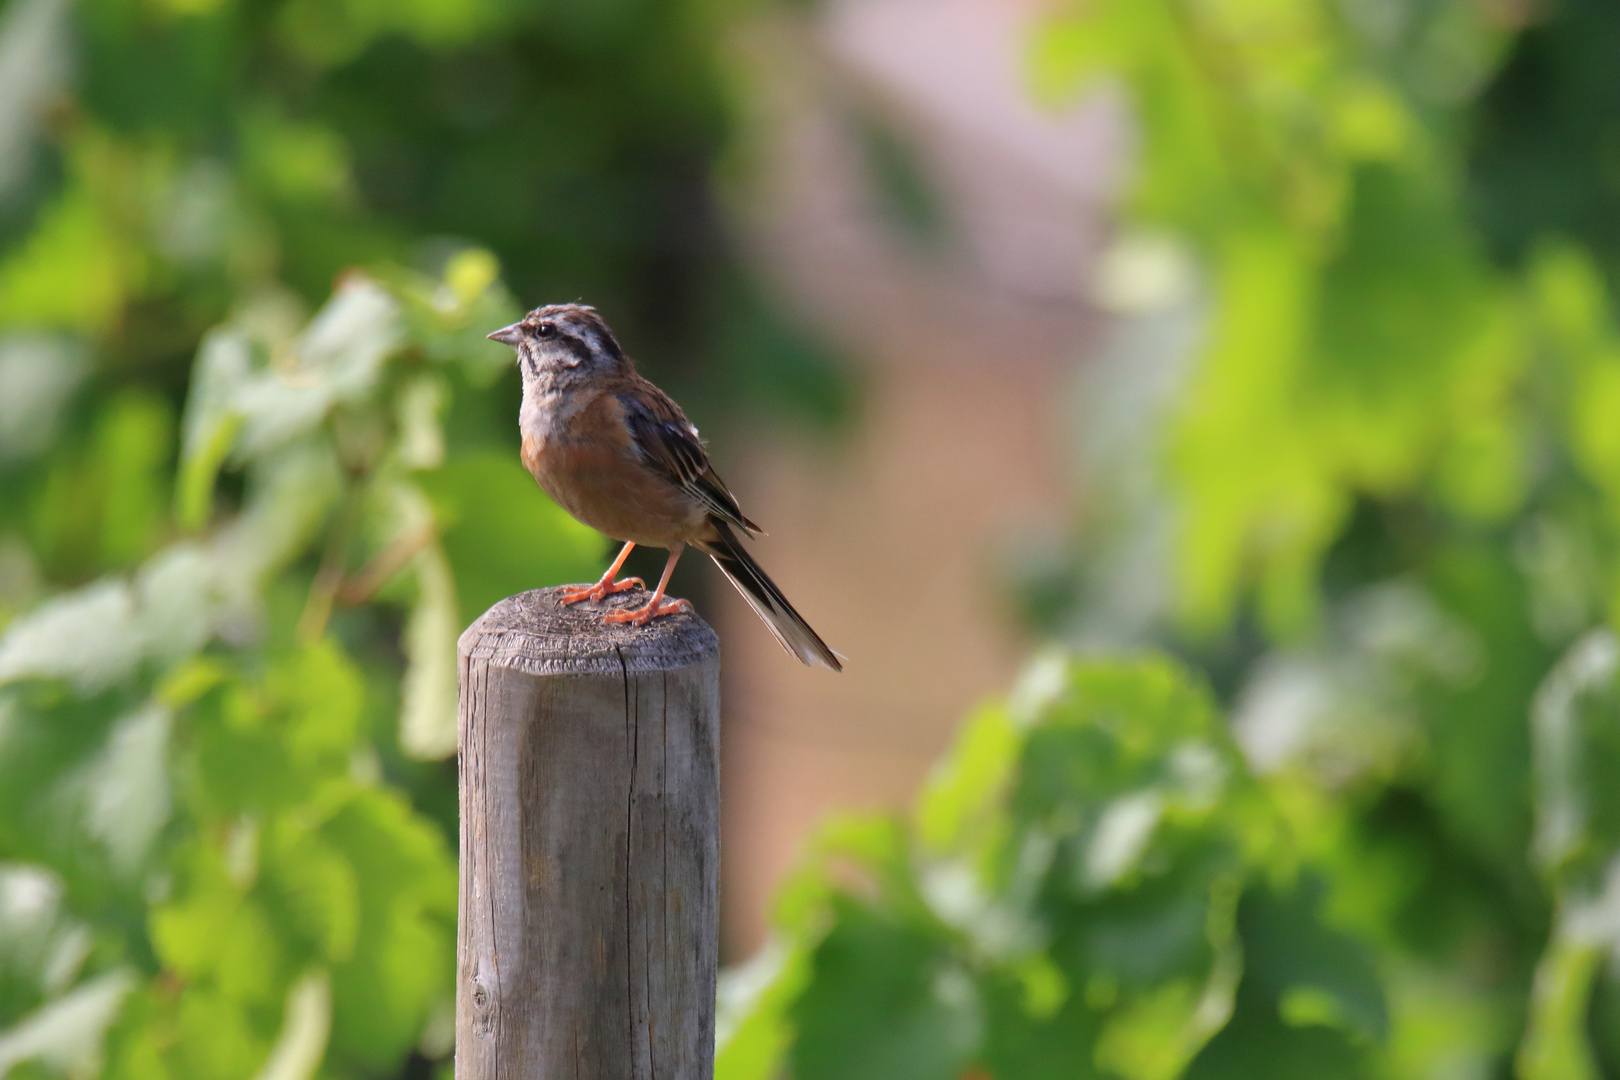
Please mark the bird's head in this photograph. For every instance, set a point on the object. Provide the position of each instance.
(562, 340)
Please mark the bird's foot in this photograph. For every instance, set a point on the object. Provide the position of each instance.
(599, 590)
(644, 615)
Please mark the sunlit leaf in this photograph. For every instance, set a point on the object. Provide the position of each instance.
(1555, 1044)
(427, 723)
(306, 1025)
(752, 1026)
(71, 274)
(90, 638)
(34, 62)
(1577, 745)
(128, 798)
(38, 375)
(66, 1034)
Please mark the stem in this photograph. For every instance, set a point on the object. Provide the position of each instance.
(387, 562)
(329, 578)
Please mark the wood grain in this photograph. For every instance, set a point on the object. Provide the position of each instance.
(590, 850)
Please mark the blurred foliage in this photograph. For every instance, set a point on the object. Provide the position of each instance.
(213, 862)
(1093, 882)
(1353, 817)
(1354, 485)
(258, 469)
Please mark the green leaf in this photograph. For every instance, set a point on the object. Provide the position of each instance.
(73, 270)
(1060, 1046)
(451, 317)
(1576, 729)
(288, 499)
(753, 1028)
(306, 1024)
(315, 888)
(214, 934)
(1152, 933)
(1258, 1043)
(66, 1034)
(200, 464)
(132, 441)
(1555, 1044)
(1156, 1034)
(971, 780)
(90, 638)
(213, 1036)
(39, 374)
(404, 956)
(316, 695)
(1288, 949)
(337, 359)
(885, 1000)
(427, 723)
(1119, 730)
(502, 534)
(128, 799)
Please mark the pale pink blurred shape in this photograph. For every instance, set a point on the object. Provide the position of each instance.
(895, 541)
(1023, 178)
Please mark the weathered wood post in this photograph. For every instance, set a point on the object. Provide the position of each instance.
(590, 848)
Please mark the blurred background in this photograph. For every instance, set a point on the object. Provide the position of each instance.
(1198, 421)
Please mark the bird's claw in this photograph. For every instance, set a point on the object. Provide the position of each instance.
(600, 590)
(644, 615)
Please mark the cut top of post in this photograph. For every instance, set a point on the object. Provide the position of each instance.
(532, 632)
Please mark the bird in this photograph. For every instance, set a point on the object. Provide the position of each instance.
(618, 454)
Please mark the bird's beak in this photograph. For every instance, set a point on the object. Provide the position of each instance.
(506, 335)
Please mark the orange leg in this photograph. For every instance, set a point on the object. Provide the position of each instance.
(654, 607)
(607, 586)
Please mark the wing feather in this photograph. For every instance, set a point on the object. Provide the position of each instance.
(667, 441)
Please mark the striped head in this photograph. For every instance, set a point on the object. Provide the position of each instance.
(564, 342)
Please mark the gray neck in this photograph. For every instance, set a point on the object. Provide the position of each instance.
(549, 400)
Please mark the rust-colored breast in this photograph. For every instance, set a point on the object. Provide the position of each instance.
(589, 467)
(531, 456)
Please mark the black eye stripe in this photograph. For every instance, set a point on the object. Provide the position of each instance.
(576, 346)
(578, 333)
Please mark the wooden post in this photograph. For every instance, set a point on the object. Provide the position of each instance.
(590, 848)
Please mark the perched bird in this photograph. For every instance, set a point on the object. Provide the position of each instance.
(614, 451)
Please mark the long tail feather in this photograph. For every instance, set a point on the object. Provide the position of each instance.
(787, 625)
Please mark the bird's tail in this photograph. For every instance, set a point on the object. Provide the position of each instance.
(767, 600)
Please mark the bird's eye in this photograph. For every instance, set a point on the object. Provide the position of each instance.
(545, 329)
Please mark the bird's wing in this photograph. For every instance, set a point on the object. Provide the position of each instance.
(668, 442)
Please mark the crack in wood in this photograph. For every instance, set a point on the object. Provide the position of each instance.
(550, 893)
